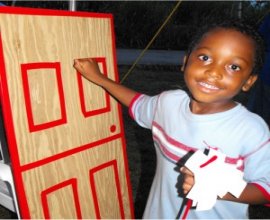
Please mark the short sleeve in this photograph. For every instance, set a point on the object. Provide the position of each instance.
(257, 168)
(142, 109)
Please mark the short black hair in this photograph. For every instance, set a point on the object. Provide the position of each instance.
(240, 26)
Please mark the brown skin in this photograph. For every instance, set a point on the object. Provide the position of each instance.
(216, 71)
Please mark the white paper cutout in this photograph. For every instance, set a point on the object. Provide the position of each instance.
(213, 178)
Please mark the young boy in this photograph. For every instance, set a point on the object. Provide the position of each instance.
(222, 60)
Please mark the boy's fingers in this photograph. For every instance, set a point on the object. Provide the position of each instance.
(76, 63)
(186, 188)
(185, 170)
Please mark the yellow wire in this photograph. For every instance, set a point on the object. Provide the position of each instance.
(151, 41)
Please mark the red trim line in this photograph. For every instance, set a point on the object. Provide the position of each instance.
(188, 207)
(126, 164)
(122, 125)
(173, 141)
(69, 152)
(11, 138)
(51, 12)
(260, 147)
(166, 152)
(184, 147)
(212, 159)
(233, 160)
(136, 97)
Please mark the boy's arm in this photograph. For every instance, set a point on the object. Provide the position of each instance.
(90, 70)
(250, 195)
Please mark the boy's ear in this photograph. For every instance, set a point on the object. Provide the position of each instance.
(184, 63)
(250, 82)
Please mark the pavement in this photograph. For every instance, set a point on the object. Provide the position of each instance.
(150, 57)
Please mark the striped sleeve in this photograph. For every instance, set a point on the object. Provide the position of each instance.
(142, 109)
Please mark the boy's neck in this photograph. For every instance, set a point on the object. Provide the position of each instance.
(206, 108)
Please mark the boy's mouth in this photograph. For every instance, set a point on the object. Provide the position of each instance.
(208, 86)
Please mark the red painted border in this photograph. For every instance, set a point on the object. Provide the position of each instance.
(93, 187)
(11, 138)
(107, 108)
(45, 193)
(120, 114)
(52, 12)
(64, 154)
(8, 118)
(30, 66)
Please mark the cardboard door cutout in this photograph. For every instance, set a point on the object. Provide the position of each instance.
(64, 134)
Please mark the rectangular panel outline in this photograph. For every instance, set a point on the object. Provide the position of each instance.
(18, 169)
(43, 65)
(92, 172)
(46, 192)
(107, 108)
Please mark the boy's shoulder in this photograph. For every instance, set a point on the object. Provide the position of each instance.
(254, 122)
(172, 98)
(255, 118)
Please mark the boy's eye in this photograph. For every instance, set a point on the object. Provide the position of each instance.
(234, 67)
(204, 57)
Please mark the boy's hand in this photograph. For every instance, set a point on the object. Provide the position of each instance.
(89, 69)
(188, 177)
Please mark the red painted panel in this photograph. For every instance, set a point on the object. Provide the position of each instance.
(46, 193)
(95, 111)
(93, 186)
(37, 66)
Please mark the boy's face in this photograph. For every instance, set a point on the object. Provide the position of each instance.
(220, 66)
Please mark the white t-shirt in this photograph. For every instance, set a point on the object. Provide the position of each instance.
(238, 133)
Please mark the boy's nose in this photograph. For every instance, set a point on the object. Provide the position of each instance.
(215, 73)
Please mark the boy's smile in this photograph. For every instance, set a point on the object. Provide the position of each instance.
(218, 69)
